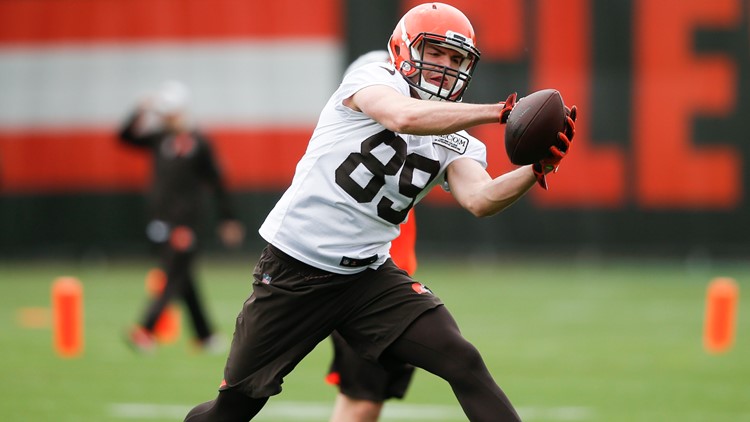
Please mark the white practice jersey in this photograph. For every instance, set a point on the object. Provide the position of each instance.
(357, 181)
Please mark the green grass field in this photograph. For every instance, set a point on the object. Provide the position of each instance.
(611, 341)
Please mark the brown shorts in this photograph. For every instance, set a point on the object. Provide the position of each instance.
(294, 307)
(362, 379)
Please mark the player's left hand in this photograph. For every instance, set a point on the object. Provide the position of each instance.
(570, 124)
(552, 163)
(510, 102)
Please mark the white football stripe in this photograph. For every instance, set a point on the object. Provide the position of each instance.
(287, 410)
(238, 83)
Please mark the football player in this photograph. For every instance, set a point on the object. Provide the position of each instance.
(379, 147)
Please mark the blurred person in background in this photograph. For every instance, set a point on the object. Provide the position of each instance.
(387, 136)
(365, 385)
(184, 171)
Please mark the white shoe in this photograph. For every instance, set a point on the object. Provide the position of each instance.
(140, 340)
(215, 344)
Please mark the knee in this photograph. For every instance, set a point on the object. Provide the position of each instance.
(464, 362)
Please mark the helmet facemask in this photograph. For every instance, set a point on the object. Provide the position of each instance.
(461, 76)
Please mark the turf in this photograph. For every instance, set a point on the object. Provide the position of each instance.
(586, 339)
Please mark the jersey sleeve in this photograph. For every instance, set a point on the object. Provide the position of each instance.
(369, 75)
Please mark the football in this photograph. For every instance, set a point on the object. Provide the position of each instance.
(533, 125)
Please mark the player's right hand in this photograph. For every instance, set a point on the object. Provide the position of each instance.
(510, 102)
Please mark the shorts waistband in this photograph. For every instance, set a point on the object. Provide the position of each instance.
(294, 262)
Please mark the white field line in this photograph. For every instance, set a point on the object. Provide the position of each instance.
(313, 411)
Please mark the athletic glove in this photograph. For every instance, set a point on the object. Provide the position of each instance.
(552, 163)
(510, 102)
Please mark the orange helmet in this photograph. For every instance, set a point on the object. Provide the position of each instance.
(438, 24)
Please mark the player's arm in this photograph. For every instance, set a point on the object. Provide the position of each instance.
(402, 114)
(231, 230)
(476, 191)
(131, 132)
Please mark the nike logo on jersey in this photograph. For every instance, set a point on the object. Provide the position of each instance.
(390, 69)
(453, 142)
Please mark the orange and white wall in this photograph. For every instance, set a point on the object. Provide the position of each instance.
(663, 89)
(71, 70)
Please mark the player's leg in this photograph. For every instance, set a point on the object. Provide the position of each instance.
(196, 310)
(345, 372)
(206, 338)
(363, 385)
(283, 320)
(141, 336)
(228, 406)
(173, 263)
(433, 342)
(349, 409)
(191, 296)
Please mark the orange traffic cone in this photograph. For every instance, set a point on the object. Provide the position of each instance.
(67, 316)
(721, 314)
